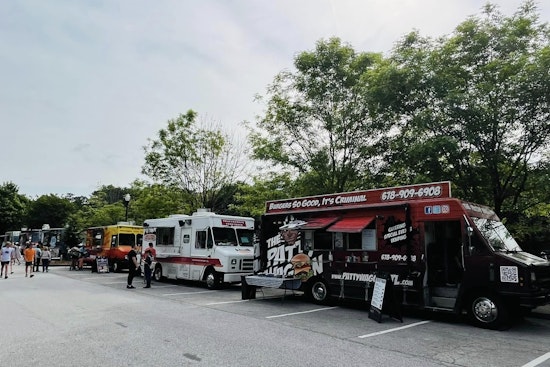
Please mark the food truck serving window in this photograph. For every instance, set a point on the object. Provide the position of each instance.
(351, 225)
(165, 236)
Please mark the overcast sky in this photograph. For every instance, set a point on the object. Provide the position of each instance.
(85, 83)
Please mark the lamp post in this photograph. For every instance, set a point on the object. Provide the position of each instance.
(127, 198)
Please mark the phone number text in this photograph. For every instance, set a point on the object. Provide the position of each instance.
(427, 192)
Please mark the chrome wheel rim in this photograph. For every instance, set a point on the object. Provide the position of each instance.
(485, 310)
(319, 291)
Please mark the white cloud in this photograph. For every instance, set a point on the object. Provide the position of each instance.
(86, 83)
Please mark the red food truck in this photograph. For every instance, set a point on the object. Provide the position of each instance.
(441, 253)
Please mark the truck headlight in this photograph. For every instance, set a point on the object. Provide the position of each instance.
(233, 261)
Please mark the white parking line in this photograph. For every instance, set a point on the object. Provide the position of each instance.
(164, 285)
(539, 360)
(222, 303)
(394, 329)
(243, 300)
(298, 313)
(185, 293)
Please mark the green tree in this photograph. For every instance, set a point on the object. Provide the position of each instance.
(198, 158)
(249, 200)
(110, 194)
(49, 209)
(13, 207)
(473, 107)
(157, 201)
(318, 120)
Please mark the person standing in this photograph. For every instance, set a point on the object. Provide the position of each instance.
(5, 259)
(46, 258)
(132, 266)
(147, 271)
(15, 256)
(29, 258)
(152, 250)
(37, 256)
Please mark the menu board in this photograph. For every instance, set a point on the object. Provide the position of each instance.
(378, 293)
(383, 299)
(102, 264)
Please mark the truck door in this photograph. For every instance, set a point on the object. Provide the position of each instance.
(479, 262)
(184, 240)
(444, 255)
(444, 261)
(201, 251)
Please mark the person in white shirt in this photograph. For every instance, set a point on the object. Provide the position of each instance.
(15, 256)
(5, 259)
(46, 258)
(37, 256)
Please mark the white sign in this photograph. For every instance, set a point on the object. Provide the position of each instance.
(378, 293)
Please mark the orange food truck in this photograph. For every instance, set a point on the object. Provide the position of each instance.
(113, 242)
(440, 253)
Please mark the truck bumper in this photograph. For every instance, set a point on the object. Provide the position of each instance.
(233, 277)
(535, 301)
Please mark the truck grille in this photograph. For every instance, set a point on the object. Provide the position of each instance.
(543, 277)
(247, 265)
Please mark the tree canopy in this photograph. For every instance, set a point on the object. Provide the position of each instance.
(318, 122)
(199, 159)
(474, 107)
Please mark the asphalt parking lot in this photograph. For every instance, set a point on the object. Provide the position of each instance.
(83, 318)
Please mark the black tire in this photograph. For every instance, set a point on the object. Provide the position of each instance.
(318, 291)
(488, 311)
(157, 273)
(212, 279)
(116, 267)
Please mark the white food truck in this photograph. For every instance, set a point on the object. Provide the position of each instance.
(205, 246)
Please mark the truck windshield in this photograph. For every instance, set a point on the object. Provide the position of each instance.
(496, 234)
(246, 237)
(230, 237)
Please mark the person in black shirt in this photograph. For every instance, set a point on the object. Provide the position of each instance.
(133, 264)
(147, 261)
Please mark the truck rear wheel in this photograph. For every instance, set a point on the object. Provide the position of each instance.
(157, 274)
(488, 311)
(114, 266)
(319, 291)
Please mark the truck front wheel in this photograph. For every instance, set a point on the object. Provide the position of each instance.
(488, 311)
(212, 279)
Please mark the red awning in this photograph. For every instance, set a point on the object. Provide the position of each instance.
(318, 223)
(351, 225)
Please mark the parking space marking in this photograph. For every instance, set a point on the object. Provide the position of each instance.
(299, 313)
(185, 293)
(537, 361)
(222, 303)
(394, 329)
(242, 300)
